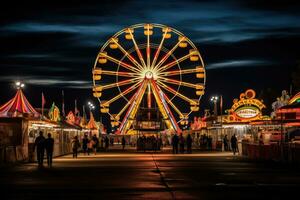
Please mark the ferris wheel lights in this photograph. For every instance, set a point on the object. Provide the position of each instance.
(148, 29)
(167, 35)
(148, 26)
(97, 74)
(194, 108)
(182, 42)
(200, 72)
(114, 43)
(97, 88)
(128, 37)
(97, 71)
(194, 56)
(199, 92)
(166, 32)
(199, 86)
(128, 33)
(97, 91)
(102, 58)
(104, 110)
(148, 32)
(200, 75)
(97, 94)
(97, 77)
(182, 45)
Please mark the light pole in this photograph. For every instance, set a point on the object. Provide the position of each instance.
(19, 85)
(91, 106)
(214, 99)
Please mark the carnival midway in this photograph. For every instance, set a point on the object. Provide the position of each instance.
(151, 91)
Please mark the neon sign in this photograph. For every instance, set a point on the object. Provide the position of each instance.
(246, 108)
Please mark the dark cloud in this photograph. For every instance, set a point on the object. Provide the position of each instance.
(52, 44)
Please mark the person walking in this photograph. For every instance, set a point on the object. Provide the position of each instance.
(95, 143)
(75, 146)
(85, 142)
(49, 146)
(39, 143)
(175, 141)
(123, 142)
(181, 143)
(209, 142)
(106, 141)
(234, 144)
(189, 142)
(225, 142)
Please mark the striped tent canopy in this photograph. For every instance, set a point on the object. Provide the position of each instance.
(18, 106)
(92, 123)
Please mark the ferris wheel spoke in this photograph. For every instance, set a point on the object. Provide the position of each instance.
(173, 106)
(181, 83)
(122, 94)
(119, 62)
(177, 72)
(169, 89)
(158, 50)
(148, 46)
(121, 83)
(125, 107)
(171, 64)
(114, 73)
(168, 54)
(136, 63)
(137, 48)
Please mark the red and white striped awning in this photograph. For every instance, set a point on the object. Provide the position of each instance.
(18, 106)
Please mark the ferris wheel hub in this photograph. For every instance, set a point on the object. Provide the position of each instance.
(149, 75)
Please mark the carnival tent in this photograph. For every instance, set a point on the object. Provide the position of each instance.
(92, 123)
(18, 106)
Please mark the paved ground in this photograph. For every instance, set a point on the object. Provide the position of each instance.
(131, 175)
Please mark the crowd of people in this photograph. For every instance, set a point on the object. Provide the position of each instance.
(182, 142)
(93, 144)
(88, 145)
(149, 143)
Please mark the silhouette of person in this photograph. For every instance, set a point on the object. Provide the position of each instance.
(234, 144)
(181, 143)
(189, 142)
(225, 141)
(123, 142)
(39, 143)
(75, 146)
(49, 146)
(175, 141)
(85, 142)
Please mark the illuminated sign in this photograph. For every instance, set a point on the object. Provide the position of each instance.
(245, 109)
(247, 112)
(54, 113)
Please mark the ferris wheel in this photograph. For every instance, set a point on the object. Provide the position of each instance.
(153, 62)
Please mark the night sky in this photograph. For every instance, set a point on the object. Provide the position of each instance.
(52, 46)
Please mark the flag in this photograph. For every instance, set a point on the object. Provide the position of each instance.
(63, 104)
(43, 104)
(76, 111)
(43, 100)
(221, 104)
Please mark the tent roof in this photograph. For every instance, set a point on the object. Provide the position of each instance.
(17, 106)
(92, 123)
